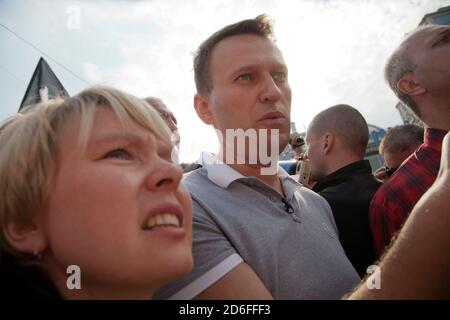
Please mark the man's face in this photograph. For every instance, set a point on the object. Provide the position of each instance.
(250, 88)
(315, 156)
(429, 50)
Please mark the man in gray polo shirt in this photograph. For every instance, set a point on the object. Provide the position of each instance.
(258, 234)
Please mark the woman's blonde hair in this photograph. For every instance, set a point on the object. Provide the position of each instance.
(28, 148)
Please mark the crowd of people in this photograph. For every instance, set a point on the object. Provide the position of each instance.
(91, 181)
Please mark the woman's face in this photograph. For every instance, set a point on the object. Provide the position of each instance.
(118, 211)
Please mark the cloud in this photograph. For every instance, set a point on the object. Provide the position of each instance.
(91, 72)
(335, 50)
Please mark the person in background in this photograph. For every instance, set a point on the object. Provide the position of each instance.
(172, 123)
(396, 146)
(88, 184)
(298, 144)
(337, 141)
(167, 116)
(419, 74)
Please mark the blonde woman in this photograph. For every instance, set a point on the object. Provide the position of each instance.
(91, 203)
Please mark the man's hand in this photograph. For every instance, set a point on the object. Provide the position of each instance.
(380, 174)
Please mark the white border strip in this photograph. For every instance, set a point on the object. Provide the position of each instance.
(203, 282)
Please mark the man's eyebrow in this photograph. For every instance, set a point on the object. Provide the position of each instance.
(248, 67)
(244, 68)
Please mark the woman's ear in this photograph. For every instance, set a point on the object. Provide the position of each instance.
(202, 107)
(26, 239)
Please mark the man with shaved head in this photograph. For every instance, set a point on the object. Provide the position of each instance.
(419, 74)
(337, 140)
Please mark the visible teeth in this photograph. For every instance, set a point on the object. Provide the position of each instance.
(162, 219)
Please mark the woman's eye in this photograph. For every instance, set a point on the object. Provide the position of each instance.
(118, 154)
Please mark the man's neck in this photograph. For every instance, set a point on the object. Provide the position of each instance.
(270, 177)
(255, 171)
(436, 114)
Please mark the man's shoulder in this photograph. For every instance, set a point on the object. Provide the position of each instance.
(311, 201)
(308, 193)
(352, 194)
(358, 185)
(408, 183)
(392, 194)
(402, 177)
(196, 178)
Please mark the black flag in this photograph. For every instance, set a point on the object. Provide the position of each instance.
(43, 85)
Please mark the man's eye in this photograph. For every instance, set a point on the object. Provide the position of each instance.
(280, 76)
(118, 154)
(244, 77)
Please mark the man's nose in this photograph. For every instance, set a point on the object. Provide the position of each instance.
(270, 90)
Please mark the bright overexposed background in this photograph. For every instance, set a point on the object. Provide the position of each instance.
(335, 50)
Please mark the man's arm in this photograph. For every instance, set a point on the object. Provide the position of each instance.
(241, 283)
(418, 263)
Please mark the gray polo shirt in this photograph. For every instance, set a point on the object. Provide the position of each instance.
(294, 248)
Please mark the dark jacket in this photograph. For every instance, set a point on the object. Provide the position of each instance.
(349, 192)
(19, 281)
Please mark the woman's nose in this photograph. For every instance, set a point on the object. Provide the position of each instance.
(165, 176)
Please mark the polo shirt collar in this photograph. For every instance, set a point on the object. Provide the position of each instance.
(218, 172)
(223, 175)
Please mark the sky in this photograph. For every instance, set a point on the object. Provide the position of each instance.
(335, 51)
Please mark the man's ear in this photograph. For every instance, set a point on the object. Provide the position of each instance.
(327, 142)
(408, 85)
(26, 239)
(201, 105)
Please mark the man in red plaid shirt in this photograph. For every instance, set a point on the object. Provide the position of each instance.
(419, 74)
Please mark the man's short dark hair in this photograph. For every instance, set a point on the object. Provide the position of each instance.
(260, 26)
(401, 138)
(347, 123)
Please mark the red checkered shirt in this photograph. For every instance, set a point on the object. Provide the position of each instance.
(396, 198)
